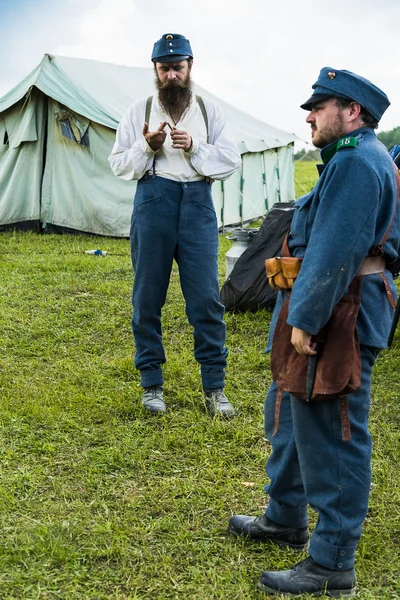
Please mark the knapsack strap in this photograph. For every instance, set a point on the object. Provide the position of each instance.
(285, 246)
(278, 402)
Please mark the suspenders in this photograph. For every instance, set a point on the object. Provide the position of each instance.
(200, 102)
(202, 107)
(149, 102)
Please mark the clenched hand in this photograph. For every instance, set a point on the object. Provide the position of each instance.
(301, 340)
(181, 139)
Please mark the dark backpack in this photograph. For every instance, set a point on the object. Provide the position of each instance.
(247, 286)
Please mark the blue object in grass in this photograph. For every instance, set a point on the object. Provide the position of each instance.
(96, 252)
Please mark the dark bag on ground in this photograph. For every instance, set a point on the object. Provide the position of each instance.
(247, 287)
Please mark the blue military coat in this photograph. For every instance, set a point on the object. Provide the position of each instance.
(334, 227)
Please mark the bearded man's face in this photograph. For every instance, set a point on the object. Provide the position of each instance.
(327, 122)
(174, 84)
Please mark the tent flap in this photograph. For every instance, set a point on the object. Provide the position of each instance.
(21, 164)
(20, 123)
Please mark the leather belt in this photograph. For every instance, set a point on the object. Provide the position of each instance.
(371, 265)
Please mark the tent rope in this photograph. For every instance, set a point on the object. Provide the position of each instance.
(301, 186)
(227, 182)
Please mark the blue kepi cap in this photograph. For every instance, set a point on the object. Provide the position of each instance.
(171, 47)
(345, 84)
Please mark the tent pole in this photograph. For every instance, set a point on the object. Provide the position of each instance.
(278, 174)
(264, 180)
(241, 199)
(223, 205)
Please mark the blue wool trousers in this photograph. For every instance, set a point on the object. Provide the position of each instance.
(176, 220)
(310, 464)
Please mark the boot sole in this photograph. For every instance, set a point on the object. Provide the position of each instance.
(297, 547)
(214, 412)
(280, 543)
(221, 415)
(155, 411)
(349, 593)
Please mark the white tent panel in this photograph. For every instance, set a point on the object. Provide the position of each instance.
(218, 199)
(253, 187)
(286, 179)
(232, 199)
(271, 170)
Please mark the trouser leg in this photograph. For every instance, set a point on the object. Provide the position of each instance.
(153, 241)
(336, 473)
(288, 503)
(197, 258)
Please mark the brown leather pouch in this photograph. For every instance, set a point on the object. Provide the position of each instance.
(338, 370)
(282, 271)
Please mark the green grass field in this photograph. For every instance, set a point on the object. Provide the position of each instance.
(305, 177)
(102, 501)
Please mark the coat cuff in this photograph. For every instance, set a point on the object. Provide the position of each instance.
(193, 148)
(147, 149)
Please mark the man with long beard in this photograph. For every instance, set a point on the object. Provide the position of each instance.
(345, 229)
(175, 144)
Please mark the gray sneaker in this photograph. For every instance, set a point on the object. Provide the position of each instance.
(218, 404)
(153, 399)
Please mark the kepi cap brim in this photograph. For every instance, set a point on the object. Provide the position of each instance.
(313, 99)
(169, 58)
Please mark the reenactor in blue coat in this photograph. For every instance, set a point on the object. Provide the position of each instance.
(350, 214)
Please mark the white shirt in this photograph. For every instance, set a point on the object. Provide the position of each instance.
(132, 157)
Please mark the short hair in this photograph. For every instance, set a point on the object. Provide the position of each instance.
(365, 115)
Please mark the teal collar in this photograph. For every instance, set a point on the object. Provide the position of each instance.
(348, 141)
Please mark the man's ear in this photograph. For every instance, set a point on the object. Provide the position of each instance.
(354, 111)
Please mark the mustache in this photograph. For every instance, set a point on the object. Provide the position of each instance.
(176, 83)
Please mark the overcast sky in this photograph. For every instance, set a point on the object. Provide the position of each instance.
(260, 55)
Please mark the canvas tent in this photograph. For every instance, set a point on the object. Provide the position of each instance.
(57, 128)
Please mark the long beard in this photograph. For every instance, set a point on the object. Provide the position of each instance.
(174, 95)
